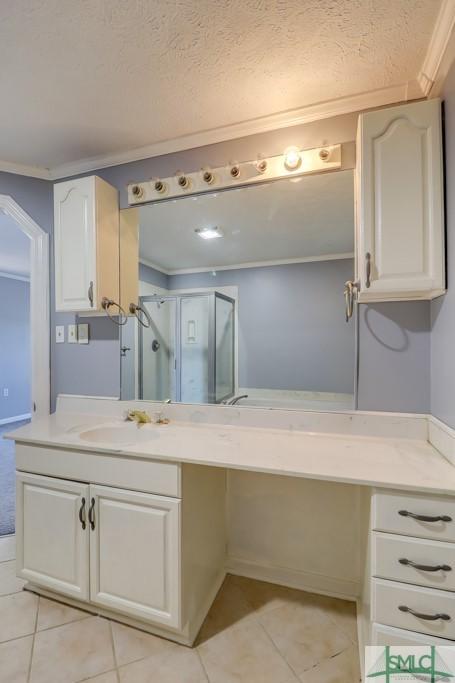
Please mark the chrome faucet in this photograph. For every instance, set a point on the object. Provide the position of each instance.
(236, 399)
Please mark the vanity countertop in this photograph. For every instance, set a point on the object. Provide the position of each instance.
(385, 462)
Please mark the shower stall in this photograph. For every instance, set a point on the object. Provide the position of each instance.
(188, 352)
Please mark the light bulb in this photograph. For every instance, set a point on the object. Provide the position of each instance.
(292, 158)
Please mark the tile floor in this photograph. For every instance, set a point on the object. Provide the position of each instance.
(255, 633)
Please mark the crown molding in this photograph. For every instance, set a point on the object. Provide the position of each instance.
(23, 169)
(294, 117)
(287, 119)
(439, 42)
(248, 264)
(14, 276)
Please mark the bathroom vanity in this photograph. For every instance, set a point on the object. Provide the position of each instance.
(241, 285)
(131, 521)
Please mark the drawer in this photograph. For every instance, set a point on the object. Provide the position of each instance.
(388, 635)
(388, 509)
(388, 596)
(389, 549)
(136, 474)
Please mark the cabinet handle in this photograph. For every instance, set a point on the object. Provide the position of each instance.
(350, 290)
(426, 567)
(90, 293)
(426, 617)
(425, 518)
(368, 269)
(91, 514)
(82, 513)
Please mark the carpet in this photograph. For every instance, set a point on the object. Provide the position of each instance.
(7, 479)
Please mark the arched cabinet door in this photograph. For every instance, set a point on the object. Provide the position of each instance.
(86, 244)
(400, 203)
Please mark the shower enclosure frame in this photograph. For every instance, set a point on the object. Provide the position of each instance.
(211, 350)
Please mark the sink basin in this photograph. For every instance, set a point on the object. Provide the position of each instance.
(121, 434)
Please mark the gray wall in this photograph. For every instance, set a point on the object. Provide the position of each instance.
(394, 357)
(14, 347)
(292, 331)
(94, 369)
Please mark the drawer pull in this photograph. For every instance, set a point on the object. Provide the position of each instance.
(426, 617)
(426, 567)
(425, 518)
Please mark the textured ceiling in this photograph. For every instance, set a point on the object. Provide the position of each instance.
(83, 78)
(287, 219)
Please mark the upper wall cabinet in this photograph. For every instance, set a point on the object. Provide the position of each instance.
(86, 243)
(400, 204)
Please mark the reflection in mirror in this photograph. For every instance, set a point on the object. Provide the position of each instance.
(239, 296)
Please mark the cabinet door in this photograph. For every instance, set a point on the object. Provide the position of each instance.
(75, 245)
(400, 240)
(135, 554)
(52, 546)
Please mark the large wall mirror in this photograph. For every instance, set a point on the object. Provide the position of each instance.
(240, 296)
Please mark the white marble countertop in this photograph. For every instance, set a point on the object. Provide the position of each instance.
(397, 463)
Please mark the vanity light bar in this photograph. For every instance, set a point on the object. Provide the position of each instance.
(237, 174)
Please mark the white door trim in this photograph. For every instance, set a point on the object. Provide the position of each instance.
(39, 303)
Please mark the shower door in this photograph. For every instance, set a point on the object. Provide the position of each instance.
(188, 352)
(224, 361)
(157, 350)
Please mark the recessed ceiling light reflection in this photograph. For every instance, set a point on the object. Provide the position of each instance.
(209, 233)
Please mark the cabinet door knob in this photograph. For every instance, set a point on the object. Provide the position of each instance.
(91, 514)
(426, 617)
(426, 567)
(82, 514)
(425, 518)
(368, 269)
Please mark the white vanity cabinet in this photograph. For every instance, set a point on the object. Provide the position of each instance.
(86, 244)
(135, 554)
(400, 203)
(412, 561)
(52, 546)
(153, 557)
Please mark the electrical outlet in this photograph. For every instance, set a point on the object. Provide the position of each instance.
(5, 392)
(72, 334)
(60, 334)
(82, 333)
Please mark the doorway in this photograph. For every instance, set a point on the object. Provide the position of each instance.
(24, 338)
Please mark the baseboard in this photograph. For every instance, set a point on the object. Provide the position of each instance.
(442, 437)
(7, 548)
(292, 578)
(16, 418)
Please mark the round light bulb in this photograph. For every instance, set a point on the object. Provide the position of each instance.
(292, 158)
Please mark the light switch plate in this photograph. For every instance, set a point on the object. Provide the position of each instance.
(82, 333)
(59, 334)
(72, 334)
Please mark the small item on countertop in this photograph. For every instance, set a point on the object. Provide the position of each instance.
(159, 418)
(139, 416)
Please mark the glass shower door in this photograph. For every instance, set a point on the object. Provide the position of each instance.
(157, 345)
(195, 352)
(224, 348)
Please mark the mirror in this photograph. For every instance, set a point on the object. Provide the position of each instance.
(240, 296)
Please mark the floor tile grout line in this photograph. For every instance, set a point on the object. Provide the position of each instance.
(8, 595)
(84, 680)
(66, 623)
(114, 654)
(269, 637)
(29, 673)
(196, 649)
